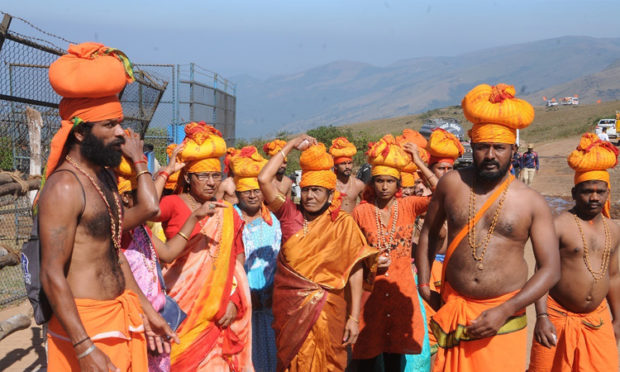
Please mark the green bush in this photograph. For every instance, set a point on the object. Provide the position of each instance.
(6, 153)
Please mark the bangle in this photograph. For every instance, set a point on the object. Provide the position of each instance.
(82, 340)
(139, 162)
(141, 173)
(87, 351)
(353, 319)
(183, 236)
(283, 156)
(541, 315)
(424, 285)
(163, 173)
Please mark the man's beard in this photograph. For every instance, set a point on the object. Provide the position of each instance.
(281, 171)
(93, 149)
(491, 176)
(319, 212)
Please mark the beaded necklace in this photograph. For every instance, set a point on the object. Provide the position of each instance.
(383, 243)
(150, 264)
(606, 252)
(471, 236)
(115, 228)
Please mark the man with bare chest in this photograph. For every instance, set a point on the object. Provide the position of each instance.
(99, 314)
(349, 187)
(283, 183)
(574, 329)
(482, 325)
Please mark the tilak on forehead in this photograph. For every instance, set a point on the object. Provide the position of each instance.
(89, 78)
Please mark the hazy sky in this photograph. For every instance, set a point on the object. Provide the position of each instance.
(264, 38)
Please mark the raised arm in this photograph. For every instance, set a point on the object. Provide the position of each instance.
(430, 242)
(613, 296)
(170, 169)
(428, 174)
(147, 200)
(268, 173)
(57, 227)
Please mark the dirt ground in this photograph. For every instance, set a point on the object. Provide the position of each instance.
(24, 351)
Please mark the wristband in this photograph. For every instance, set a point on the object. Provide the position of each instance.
(164, 173)
(183, 236)
(353, 319)
(283, 156)
(87, 351)
(141, 173)
(82, 340)
(139, 162)
(424, 285)
(542, 315)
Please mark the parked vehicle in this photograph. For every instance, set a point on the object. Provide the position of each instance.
(610, 124)
(453, 126)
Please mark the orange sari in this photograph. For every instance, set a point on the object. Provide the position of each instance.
(309, 305)
(115, 326)
(586, 341)
(203, 281)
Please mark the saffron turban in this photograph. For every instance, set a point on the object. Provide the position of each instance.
(591, 160)
(230, 152)
(342, 150)
(496, 113)
(89, 79)
(125, 185)
(171, 182)
(246, 165)
(444, 146)
(316, 167)
(407, 179)
(410, 135)
(387, 157)
(204, 146)
(274, 147)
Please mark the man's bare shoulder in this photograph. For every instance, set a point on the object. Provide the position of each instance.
(228, 185)
(614, 229)
(358, 184)
(286, 180)
(562, 222)
(61, 187)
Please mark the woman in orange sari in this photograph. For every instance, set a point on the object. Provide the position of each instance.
(321, 253)
(207, 280)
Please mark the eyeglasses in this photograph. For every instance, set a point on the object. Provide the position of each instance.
(214, 176)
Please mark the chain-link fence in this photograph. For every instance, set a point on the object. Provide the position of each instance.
(15, 226)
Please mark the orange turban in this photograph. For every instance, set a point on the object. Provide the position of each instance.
(204, 146)
(171, 182)
(126, 185)
(413, 136)
(387, 157)
(89, 79)
(444, 146)
(591, 160)
(408, 178)
(230, 152)
(316, 165)
(496, 113)
(274, 147)
(246, 165)
(342, 150)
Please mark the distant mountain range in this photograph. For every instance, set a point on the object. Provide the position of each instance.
(348, 92)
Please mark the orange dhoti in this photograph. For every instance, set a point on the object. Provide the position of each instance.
(503, 352)
(115, 326)
(435, 285)
(585, 342)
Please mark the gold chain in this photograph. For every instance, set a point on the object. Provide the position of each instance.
(383, 243)
(472, 228)
(586, 253)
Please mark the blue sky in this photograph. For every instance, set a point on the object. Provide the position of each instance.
(265, 38)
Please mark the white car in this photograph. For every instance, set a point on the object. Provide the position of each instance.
(610, 124)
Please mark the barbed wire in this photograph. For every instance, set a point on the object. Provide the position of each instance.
(37, 29)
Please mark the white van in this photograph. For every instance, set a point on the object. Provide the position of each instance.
(610, 124)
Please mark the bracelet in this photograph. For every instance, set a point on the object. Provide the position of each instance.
(424, 285)
(87, 351)
(183, 236)
(82, 340)
(141, 173)
(139, 162)
(283, 156)
(542, 315)
(163, 173)
(353, 319)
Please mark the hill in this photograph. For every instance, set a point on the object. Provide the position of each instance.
(346, 92)
(549, 124)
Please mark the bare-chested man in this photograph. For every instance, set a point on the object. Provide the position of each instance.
(574, 330)
(350, 187)
(482, 324)
(98, 309)
(226, 190)
(283, 183)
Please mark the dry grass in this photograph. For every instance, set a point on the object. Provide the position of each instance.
(562, 122)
